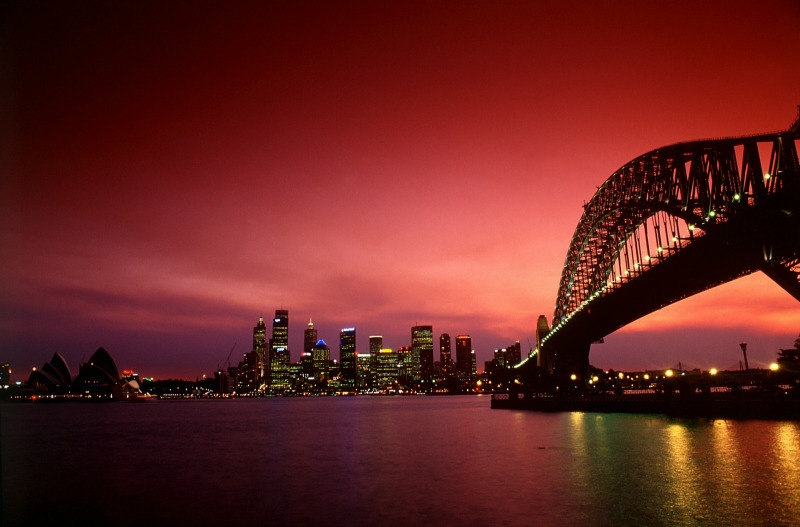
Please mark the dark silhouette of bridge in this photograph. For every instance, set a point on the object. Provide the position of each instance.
(669, 224)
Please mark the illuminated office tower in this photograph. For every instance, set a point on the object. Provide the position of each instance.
(464, 355)
(422, 350)
(513, 354)
(347, 357)
(363, 371)
(406, 366)
(375, 346)
(445, 355)
(321, 354)
(260, 348)
(387, 370)
(309, 337)
(279, 374)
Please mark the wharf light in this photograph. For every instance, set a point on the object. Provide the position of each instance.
(712, 371)
(573, 376)
(669, 373)
(774, 366)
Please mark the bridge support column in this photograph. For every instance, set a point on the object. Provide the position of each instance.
(572, 366)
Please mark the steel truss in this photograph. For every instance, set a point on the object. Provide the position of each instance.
(661, 202)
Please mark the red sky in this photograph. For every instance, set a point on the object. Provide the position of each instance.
(171, 172)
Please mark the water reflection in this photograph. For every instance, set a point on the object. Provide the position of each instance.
(786, 471)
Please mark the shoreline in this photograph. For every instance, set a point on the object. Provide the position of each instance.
(718, 406)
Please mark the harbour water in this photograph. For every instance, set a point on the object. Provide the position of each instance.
(388, 461)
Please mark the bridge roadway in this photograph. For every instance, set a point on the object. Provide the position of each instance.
(741, 219)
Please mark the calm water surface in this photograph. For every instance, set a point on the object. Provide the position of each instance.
(388, 461)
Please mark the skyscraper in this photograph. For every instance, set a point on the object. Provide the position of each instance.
(445, 355)
(309, 337)
(513, 354)
(279, 374)
(464, 354)
(260, 348)
(347, 357)
(307, 357)
(375, 346)
(422, 350)
(321, 358)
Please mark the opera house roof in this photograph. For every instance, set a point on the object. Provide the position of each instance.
(97, 376)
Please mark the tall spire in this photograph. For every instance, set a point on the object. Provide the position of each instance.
(310, 324)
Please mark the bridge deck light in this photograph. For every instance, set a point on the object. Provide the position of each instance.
(736, 197)
(691, 226)
(711, 213)
(767, 175)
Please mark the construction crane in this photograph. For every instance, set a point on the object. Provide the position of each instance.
(228, 360)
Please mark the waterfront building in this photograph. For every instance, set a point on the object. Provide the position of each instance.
(53, 377)
(407, 366)
(309, 337)
(260, 348)
(375, 346)
(422, 351)
(247, 376)
(464, 355)
(347, 357)
(5, 375)
(321, 357)
(445, 355)
(363, 372)
(279, 356)
(499, 358)
(513, 354)
(99, 377)
(387, 370)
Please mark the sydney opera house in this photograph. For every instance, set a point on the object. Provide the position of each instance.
(97, 378)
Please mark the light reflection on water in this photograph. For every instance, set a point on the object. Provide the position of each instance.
(389, 461)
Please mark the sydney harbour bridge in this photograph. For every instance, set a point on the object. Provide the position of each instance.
(669, 224)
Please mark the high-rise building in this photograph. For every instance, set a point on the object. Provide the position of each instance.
(309, 337)
(406, 366)
(347, 357)
(260, 348)
(387, 371)
(375, 346)
(464, 357)
(5, 375)
(321, 354)
(279, 371)
(422, 350)
(445, 355)
(363, 372)
(513, 354)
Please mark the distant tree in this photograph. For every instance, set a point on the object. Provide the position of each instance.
(789, 359)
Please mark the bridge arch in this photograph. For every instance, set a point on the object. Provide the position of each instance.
(692, 215)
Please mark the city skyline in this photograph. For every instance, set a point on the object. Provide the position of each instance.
(176, 172)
